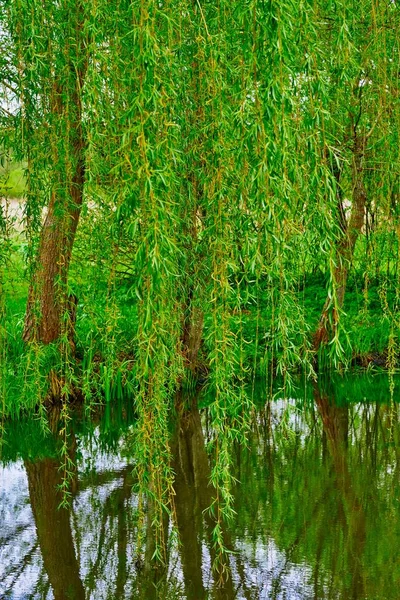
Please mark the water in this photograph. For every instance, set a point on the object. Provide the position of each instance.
(317, 510)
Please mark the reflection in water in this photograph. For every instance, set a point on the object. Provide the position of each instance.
(192, 500)
(52, 526)
(190, 465)
(53, 522)
(317, 511)
(335, 422)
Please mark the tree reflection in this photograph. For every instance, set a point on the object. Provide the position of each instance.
(335, 420)
(53, 524)
(193, 497)
(306, 527)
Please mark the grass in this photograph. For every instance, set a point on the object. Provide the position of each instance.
(367, 329)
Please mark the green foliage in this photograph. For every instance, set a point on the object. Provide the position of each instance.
(12, 182)
(222, 147)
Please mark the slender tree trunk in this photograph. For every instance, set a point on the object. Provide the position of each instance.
(345, 247)
(193, 317)
(48, 300)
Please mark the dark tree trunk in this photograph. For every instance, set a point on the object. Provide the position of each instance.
(345, 247)
(193, 317)
(192, 335)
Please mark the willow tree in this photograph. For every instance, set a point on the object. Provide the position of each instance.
(230, 145)
(221, 151)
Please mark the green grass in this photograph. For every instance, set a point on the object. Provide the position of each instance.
(101, 352)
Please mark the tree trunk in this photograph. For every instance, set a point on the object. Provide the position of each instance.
(192, 334)
(47, 301)
(48, 298)
(193, 317)
(345, 248)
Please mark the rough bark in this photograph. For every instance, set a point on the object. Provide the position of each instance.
(47, 299)
(46, 302)
(193, 317)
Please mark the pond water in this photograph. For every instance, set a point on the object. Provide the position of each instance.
(317, 507)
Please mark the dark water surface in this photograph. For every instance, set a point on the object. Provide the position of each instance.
(317, 510)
